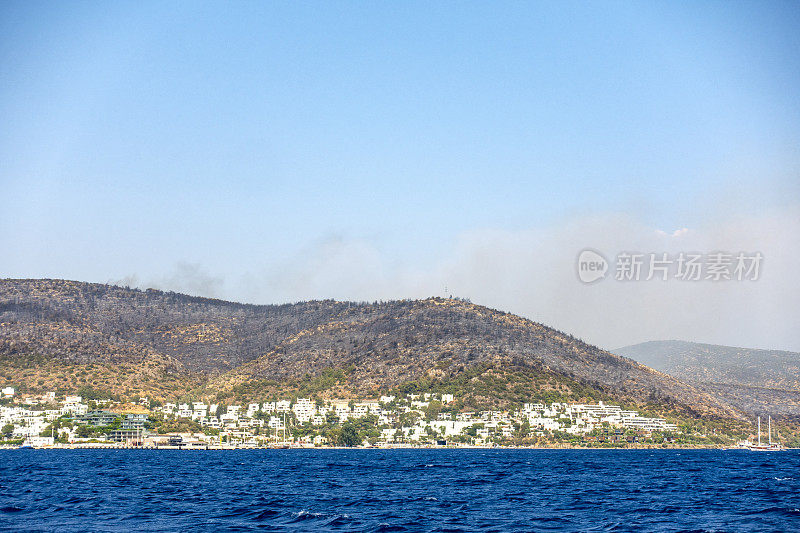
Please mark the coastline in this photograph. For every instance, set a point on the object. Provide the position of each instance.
(101, 446)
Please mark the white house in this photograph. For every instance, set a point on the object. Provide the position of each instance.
(304, 409)
(39, 441)
(450, 427)
(275, 423)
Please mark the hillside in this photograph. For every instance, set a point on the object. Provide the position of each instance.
(751, 379)
(719, 364)
(60, 335)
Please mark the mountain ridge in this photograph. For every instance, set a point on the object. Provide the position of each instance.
(57, 333)
(754, 380)
(730, 365)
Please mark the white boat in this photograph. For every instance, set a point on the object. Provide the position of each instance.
(769, 446)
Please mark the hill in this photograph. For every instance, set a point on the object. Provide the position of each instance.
(59, 335)
(756, 381)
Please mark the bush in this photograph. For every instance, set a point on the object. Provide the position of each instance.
(349, 435)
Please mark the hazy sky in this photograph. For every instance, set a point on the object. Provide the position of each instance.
(270, 152)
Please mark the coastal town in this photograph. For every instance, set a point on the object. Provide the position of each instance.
(413, 420)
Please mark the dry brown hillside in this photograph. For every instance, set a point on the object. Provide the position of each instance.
(64, 334)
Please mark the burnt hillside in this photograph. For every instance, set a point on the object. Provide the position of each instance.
(56, 333)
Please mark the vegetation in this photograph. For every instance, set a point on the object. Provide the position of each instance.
(755, 381)
(125, 343)
(349, 435)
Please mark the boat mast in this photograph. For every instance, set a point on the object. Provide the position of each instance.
(769, 428)
(759, 431)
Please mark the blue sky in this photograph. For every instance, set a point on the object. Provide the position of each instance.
(236, 142)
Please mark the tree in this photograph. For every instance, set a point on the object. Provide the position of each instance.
(523, 430)
(472, 431)
(333, 434)
(7, 431)
(349, 435)
(433, 410)
(84, 432)
(409, 419)
(51, 429)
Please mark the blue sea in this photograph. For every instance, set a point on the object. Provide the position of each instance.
(399, 490)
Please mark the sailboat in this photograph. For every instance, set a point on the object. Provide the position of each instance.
(768, 447)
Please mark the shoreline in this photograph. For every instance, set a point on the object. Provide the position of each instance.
(100, 446)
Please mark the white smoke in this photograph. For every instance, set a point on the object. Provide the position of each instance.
(532, 273)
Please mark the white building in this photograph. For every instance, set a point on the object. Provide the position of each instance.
(211, 421)
(648, 424)
(304, 409)
(74, 408)
(275, 423)
(450, 428)
(37, 441)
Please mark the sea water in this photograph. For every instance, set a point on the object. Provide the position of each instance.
(399, 490)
